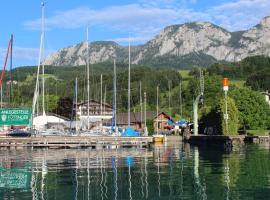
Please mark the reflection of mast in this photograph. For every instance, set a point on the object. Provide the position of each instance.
(170, 181)
(88, 178)
(101, 180)
(105, 177)
(76, 191)
(146, 176)
(182, 165)
(142, 183)
(115, 177)
(227, 179)
(43, 176)
(130, 184)
(34, 185)
(158, 173)
(196, 165)
(201, 189)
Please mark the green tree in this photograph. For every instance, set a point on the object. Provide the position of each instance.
(150, 126)
(233, 117)
(50, 101)
(215, 118)
(254, 111)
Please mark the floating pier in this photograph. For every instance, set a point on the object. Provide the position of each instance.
(76, 142)
(224, 141)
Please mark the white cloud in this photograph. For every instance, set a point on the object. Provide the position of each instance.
(132, 39)
(24, 54)
(146, 18)
(133, 18)
(241, 14)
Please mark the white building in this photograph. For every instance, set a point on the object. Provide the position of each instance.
(97, 113)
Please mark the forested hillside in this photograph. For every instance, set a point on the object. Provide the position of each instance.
(247, 79)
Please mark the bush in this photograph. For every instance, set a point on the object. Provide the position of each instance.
(233, 117)
(254, 111)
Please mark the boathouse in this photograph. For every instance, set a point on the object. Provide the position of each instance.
(136, 119)
(163, 122)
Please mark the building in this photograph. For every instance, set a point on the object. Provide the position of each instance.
(136, 122)
(98, 113)
(162, 121)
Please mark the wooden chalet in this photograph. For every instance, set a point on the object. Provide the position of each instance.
(135, 119)
(162, 121)
(96, 109)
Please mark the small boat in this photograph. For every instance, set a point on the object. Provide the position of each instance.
(52, 132)
(3, 133)
(19, 133)
(158, 138)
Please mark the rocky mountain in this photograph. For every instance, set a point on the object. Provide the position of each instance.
(198, 43)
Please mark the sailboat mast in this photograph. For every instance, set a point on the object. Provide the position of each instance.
(157, 110)
(104, 102)
(141, 106)
(101, 95)
(88, 82)
(42, 55)
(144, 109)
(129, 82)
(114, 93)
(181, 101)
(36, 93)
(76, 103)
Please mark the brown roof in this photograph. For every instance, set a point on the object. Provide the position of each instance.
(122, 118)
(169, 117)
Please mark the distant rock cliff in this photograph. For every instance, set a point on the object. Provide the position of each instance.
(198, 43)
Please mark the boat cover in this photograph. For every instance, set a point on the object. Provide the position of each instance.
(130, 132)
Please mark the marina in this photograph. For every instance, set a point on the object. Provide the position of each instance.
(76, 142)
(143, 113)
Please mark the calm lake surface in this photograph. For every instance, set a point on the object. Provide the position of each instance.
(171, 171)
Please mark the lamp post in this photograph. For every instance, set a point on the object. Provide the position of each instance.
(226, 89)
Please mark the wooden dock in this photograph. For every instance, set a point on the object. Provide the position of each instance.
(76, 141)
(224, 141)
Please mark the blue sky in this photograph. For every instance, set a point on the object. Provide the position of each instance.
(66, 21)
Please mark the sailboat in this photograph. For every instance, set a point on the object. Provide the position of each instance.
(129, 132)
(114, 117)
(158, 137)
(39, 122)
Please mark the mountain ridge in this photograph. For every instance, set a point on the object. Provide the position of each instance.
(179, 45)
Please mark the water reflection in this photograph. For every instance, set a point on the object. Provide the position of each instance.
(176, 171)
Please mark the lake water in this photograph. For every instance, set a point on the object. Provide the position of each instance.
(170, 171)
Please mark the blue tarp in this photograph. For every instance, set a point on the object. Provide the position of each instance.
(170, 122)
(182, 123)
(129, 132)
